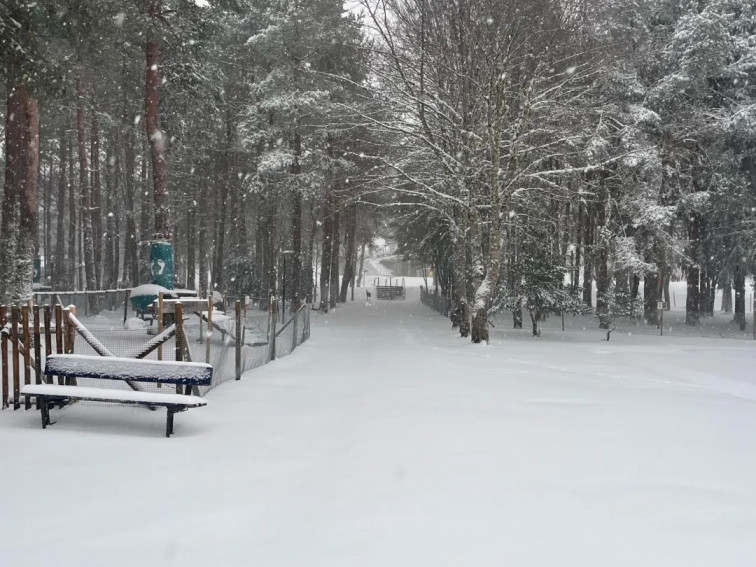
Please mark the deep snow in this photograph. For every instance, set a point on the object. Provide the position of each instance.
(386, 440)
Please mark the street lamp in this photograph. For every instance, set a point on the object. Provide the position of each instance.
(285, 253)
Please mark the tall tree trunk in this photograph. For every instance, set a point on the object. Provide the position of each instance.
(692, 303)
(191, 266)
(461, 315)
(727, 296)
(588, 257)
(47, 208)
(73, 259)
(96, 198)
(131, 260)
(88, 242)
(602, 257)
(350, 253)
(362, 268)
(145, 218)
(111, 235)
(202, 243)
(221, 206)
(157, 143)
(578, 247)
(325, 260)
(335, 255)
(28, 197)
(59, 263)
(296, 227)
(19, 208)
(651, 298)
(739, 281)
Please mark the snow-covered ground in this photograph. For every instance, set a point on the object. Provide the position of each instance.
(386, 440)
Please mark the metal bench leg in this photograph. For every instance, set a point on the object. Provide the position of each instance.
(169, 422)
(45, 410)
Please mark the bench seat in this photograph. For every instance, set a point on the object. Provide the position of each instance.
(109, 395)
(134, 369)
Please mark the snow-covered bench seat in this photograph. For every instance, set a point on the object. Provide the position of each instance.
(72, 366)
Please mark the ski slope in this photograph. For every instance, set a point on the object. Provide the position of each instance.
(386, 440)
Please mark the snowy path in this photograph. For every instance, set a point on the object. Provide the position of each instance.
(388, 441)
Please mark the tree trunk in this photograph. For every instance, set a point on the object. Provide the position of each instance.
(95, 209)
(650, 298)
(602, 267)
(727, 296)
(461, 314)
(145, 219)
(350, 253)
(692, 300)
(362, 269)
(202, 244)
(19, 208)
(692, 303)
(28, 197)
(111, 236)
(58, 267)
(296, 228)
(221, 192)
(131, 260)
(86, 198)
(335, 254)
(739, 281)
(73, 260)
(578, 248)
(157, 143)
(325, 260)
(587, 258)
(191, 254)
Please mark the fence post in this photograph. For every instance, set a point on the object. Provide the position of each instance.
(37, 346)
(160, 326)
(4, 355)
(70, 337)
(209, 326)
(238, 339)
(59, 334)
(48, 336)
(178, 313)
(27, 354)
(272, 318)
(14, 354)
(294, 331)
(126, 306)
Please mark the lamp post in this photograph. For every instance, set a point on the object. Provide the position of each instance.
(285, 253)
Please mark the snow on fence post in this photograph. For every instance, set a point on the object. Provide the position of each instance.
(70, 336)
(59, 334)
(37, 347)
(4, 355)
(178, 313)
(48, 337)
(160, 325)
(27, 355)
(238, 339)
(209, 326)
(14, 360)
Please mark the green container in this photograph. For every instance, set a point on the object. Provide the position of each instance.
(37, 270)
(161, 263)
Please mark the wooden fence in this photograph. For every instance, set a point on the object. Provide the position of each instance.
(30, 332)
